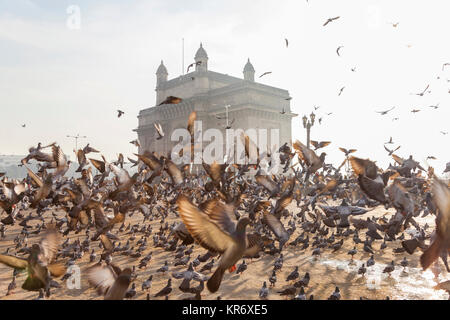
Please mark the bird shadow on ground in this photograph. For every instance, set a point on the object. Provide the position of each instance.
(347, 284)
(76, 292)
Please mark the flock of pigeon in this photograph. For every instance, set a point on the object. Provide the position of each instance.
(230, 212)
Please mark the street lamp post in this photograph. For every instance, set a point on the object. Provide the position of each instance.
(226, 133)
(307, 124)
(76, 140)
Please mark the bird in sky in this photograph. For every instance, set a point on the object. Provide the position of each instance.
(395, 25)
(434, 106)
(88, 149)
(330, 20)
(159, 131)
(265, 73)
(421, 94)
(135, 142)
(318, 145)
(171, 100)
(230, 124)
(193, 64)
(385, 112)
(338, 50)
(340, 91)
(287, 42)
(24, 125)
(391, 151)
(347, 152)
(120, 113)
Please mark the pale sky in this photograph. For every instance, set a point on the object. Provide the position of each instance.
(60, 81)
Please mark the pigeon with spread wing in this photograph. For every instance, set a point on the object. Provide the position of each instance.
(214, 230)
(40, 264)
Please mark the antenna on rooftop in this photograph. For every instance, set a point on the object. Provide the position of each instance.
(182, 57)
